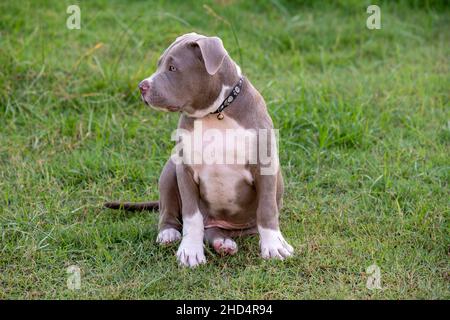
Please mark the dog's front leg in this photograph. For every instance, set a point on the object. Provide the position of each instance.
(272, 242)
(191, 252)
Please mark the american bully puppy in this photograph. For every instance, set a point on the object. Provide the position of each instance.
(214, 187)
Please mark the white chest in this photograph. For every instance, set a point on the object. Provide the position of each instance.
(218, 152)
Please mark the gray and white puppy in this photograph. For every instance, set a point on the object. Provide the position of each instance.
(212, 202)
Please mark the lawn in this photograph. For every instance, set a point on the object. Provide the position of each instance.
(364, 124)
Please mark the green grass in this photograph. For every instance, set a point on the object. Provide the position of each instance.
(364, 123)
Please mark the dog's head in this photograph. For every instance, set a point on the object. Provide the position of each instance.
(192, 76)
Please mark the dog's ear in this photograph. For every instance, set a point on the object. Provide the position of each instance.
(213, 53)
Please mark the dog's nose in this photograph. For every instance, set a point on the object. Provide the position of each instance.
(144, 86)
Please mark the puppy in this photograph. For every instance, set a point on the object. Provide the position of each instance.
(224, 180)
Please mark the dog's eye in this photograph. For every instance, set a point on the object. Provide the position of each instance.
(172, 68)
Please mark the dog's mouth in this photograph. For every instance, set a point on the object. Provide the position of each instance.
(173, 109)
(159, 107)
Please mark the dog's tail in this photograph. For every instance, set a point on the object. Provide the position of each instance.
(133, 206)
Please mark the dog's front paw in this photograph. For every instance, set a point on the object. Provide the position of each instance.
(190, 255)
(273, 245)
(168, 236)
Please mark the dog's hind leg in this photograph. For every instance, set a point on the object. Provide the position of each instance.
(169, 206)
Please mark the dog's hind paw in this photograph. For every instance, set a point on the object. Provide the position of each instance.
(225, 246)
(168, 236)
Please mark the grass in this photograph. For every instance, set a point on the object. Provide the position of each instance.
(364, 123)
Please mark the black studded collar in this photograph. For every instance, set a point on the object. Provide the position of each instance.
(229, 99)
